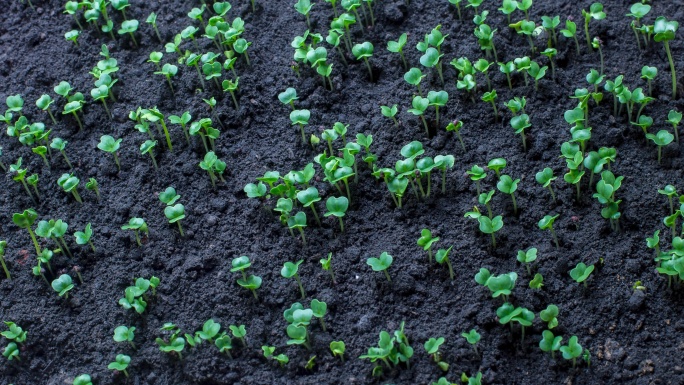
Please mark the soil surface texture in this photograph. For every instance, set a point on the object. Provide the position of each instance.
(634, 336)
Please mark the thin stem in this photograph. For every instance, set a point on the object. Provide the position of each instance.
(166, 134)
(180, 228)
(4, 267)
(672, 69)
(555, 239)
(387, 275)
(427, 132)
(553, 195)
(301, 232)
(80, 126)
(51, 116)
(116, 160)
(370, 71)
(76, 195)
(299, 282)
(342, 223)
(154, 161)
(35, 242)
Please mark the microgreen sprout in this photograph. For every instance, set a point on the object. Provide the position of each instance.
(175, 343)
(63, 285)
(231, 87)
(147, 148)
(169, 71)
(290, 270)
(60, 145)
(549, 315)
(527, 257)
(301, 118)
(508, 186)
(337, 348)
(508, 314)
(152, 20)
(661, 139)
(44, 103)
(337, 206)
(21, 176)
(649, 73)
(550, 343)
(570, 31)
(174, 214)
(442, 256)
(138, 226)
(595, 12)
(83, 379)
(432, 347)
(364, 51)
(282, 359)
(326, 264)
(120, 364)
(110, 145)
(420, 104)
(546, 223)
(304, 8)
(84, 237)
(545, 178)
(665, 32)
(581, 272)
(129, 27)
(537, 282)
(288, 97)
(426, 240)
(490, 97)
(674, 117)
(390, 112)
(93, 186)
(69, 183)
(572, 350)
(252, 282)
(3, 245)
(398, 47)
(381, 263)
(125, 334)
(73, 36)
(638, 11)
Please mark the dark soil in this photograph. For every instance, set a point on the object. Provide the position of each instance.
(634, 337)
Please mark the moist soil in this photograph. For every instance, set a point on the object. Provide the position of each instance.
(634, 337)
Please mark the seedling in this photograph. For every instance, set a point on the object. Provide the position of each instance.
(664, 32)
(549, 315)
(337, 348)
(437, 99)
(674, 117)
(508, 186)
(485, 36)
(319, 310)
(364, 51)
(654, 242)
(169, 71)
(442, 256)
(595, 12)
(290, 270)
(390, 112)
(85, 236)
(432, 347)
(545, 178)
(239, 332)
(473, 337)
(546, 223)
(476, 174)
(649, 73)
(110, 145)
(426, 240)
(381, 263)
(21, 176)
(25, 220)
(490, 97)
(174, 214)
(500, 286)
(337, 207)
(175, 344)
(661, 139)
(129, 27)
(93, 186)
(125, 334)
(138, 226)
(42, 152)
(508, 314)
(300, 117)
(83, 379)
(152, 20)
(304, 8)
(398, 47)
(60, 145)
(537, 282)
(63, 285)
(550, 343)
(638, 11)
(213, 166)
(572, 350)
(431, 59)
(11, 352)
(120, 363)
(326, 264)
(73, 107)
(527, 257)
(581, 272)
(147, 148)
(288, 97)
(282, 359)
(570, 31)
(420, 104)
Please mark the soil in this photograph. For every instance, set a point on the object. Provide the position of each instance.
(634, 337)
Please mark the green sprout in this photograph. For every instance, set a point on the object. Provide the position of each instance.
(93, 186)
(175, 344)
(674, 118)
(213, 166)
(251, 282)
(527, 257)
(549, 315)
(572, 350)
(390, 112)
(138, 226)
(546, 223)
(3, 245)
(147, 148)
(364, 51)
(508, 186)
(120, 364)
(298, 221)
(500, 286)
(508, 314)
(649, 73)
(664, 32)
(442, 256)
(300, 117)
(110, 145)
(485, 36)
(337, 348)
(21, 176)
(129, 27)
(72, 36)
(69, 183)
(174, 214)
(169, 71)
(290, 270)
(307, 198)
(304, 8)
(527, 28)
(581, 272)
(44, 103)
(431, 59)
(282, 359)
(239, 332)
(490, 97)
(63, 285)
(570, 31)
(224, 344)
(595, 12)
(437, 99)
(550, 343)
(152, 20)
(537, 282)
(381, 263)
(638, 11)
(661, 139)
(125, 334)
(491, 226)
(83, 379)
(426, 240)
(84, 237)
(473, 337)
(432, 347)
(420, 104)
(72, 108)
(337, 207)
(288, 97)
(42, 152)
(319, 309)
(545, 178)
(60, 145)
(456, 126)
(398, 47)
(326, 264)
(414, 77)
